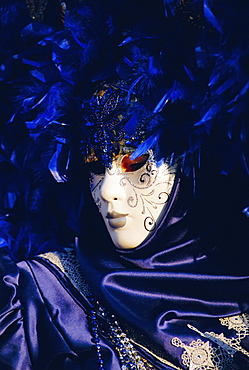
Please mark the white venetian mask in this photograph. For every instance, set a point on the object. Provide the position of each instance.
(131, 197)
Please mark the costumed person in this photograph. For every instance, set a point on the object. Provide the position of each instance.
(124, 206)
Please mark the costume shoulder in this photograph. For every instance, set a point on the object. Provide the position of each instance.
(12, 337)
(43, 320)
(45, 316)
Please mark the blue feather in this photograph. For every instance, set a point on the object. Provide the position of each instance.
(154, 67)
(82, 44)
(60, 39)
(240, 107)
(132, 88)
(10, 198)
(150, 143)
(208, 116)
(127, 40)
(246, 211)
(170, 7)
(6, 69)
(59, 174)
(62, 140)
(3, 242)
(28, 103)
(214, 78)
(131, 125)
(210, 16)
(245, 163)
(175, 93)
(46, 74)
(128, 62)
(244, 131)
(241, 93)
(36, 31)
(136, 37)
(225, 86)
(163, 101)
(36, 56)
(40, 101)
(189, 73)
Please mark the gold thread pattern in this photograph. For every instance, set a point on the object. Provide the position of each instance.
(200, 355)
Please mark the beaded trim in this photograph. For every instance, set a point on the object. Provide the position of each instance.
(128, 356)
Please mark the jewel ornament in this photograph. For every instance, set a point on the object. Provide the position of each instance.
(197, 356)
(239, 323)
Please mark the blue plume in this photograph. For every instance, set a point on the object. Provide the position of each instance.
(57, 161)
(170, 7)
(210, 16)
(208, 116)
(150, 143)
(185, 62)
(131, 125)
(176, 92)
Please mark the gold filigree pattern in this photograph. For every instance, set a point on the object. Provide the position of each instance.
(200, 355)
(233, 344)
(54, 259)
(239, 323)
(197, 355)
(227, 346)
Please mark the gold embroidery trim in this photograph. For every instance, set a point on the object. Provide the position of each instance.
(54, 259)
(229, 345)
(162, 360)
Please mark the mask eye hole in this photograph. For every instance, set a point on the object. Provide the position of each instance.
(129, 165)
(96, 167)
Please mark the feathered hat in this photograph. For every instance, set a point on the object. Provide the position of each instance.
(167, 75)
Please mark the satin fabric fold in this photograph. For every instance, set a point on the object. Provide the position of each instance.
(176, 285)
(188, 273)
(44, 322)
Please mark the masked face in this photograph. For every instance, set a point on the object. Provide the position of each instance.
(131, 197)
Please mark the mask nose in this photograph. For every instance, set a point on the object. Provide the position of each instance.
(111, 188)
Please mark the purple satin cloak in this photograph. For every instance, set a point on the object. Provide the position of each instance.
(193, 271)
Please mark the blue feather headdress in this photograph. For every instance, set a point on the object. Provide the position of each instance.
(184, 61)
